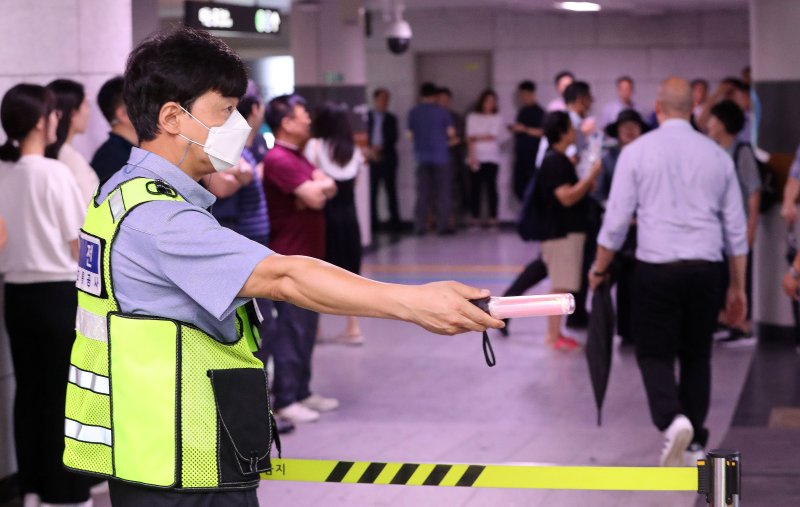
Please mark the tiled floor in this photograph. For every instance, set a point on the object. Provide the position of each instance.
(412, 396)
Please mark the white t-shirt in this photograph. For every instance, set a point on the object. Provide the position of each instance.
(43, 210)
(83, 173)
(486, 125)
(317, 152)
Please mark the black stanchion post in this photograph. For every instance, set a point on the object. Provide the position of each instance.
(719, 478)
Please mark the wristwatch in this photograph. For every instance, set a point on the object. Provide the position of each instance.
(598, 273)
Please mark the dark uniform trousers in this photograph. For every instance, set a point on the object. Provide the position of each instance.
(128, 495)
(674, 314)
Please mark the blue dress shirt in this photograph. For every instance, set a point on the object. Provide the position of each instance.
(685, 194)
(173, 259)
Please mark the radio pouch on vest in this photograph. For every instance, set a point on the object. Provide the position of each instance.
(246, 433)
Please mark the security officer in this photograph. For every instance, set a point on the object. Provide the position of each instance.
(165, 397)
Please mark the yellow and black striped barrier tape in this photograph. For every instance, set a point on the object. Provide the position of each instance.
(518, 476)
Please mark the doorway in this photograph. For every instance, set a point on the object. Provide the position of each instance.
(467, 74)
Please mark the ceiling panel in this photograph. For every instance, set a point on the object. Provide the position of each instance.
(631, 6)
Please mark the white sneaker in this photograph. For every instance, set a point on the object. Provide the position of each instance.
(695, 453)
(297, 413)
(31, 500)
(320, 403)
(676, 439)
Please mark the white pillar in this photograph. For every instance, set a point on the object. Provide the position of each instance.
(84, 40)
(776, 73)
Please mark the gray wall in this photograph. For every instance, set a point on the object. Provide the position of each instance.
(598, 48)
(85, 40)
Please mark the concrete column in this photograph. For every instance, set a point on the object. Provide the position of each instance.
(84, 40)
(326, 40)
(776, 73)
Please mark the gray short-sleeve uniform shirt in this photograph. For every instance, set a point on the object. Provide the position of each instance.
(173, 259)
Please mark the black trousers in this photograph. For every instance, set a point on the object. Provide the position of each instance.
(674, 316)
(292, 347)
(580, 317)
(534, 272)
(40, 318)
(484, 181)
(383, 173)
(129, 495)
(434, 189)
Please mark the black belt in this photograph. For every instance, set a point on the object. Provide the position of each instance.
(682, 263)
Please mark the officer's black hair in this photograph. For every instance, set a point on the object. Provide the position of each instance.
(21, 109)
(109, 98)
(731, 116)
(178, 65)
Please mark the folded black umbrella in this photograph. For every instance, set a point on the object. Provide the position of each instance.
(599, 343)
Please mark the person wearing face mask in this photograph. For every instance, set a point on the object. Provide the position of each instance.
(169, 344)
(74, 119)
(43, 210)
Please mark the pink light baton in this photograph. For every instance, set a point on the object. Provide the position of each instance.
(530, 306)
(522, 306)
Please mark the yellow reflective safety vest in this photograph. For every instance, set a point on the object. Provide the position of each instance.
(152, 400)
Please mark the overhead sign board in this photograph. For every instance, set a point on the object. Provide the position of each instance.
(232, 18)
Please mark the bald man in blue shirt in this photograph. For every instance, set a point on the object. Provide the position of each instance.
(683, 190)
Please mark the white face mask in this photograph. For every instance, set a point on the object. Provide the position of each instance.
(224, 144)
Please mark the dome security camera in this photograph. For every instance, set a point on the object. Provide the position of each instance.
(398, 36)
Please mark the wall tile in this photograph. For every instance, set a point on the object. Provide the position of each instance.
(42, 37)
(105, 35)
(515, 30)
(725, 29)
(712, 64)
(638, 31)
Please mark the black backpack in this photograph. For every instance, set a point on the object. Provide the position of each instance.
(770, 192)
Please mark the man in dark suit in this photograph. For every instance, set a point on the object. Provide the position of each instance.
(382, 130)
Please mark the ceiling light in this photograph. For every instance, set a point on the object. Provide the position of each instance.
(579, 6)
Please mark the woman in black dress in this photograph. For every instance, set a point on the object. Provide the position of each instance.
(333, 151)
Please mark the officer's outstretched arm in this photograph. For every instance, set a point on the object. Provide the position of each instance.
(441, 307)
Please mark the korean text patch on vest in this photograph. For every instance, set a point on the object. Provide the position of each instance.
(90, 265)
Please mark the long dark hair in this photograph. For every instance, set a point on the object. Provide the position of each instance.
(22, 108)
(332, 123)
(69, 97)
(485, 95)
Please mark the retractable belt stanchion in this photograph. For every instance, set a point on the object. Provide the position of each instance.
(719, 478)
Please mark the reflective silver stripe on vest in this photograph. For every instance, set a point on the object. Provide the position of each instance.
(88, 380)
(91, 325)
(86, 433)
(116, 204)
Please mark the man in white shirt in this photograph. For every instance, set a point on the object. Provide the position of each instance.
(624, 100)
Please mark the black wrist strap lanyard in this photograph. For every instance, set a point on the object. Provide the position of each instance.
(488, 351)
